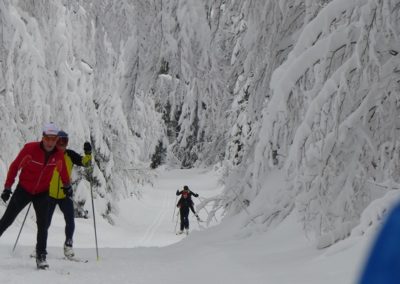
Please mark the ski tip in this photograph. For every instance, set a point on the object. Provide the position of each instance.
(76, 259)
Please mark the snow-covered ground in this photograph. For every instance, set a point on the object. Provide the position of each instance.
(142, 246)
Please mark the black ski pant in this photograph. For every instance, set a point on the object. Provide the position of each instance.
(67, 208)
(40, 202)
(184, 212)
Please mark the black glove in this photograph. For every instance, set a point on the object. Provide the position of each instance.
(195, 195)
(87, 148)
(68, 191)
(6, 194)
(177, 192)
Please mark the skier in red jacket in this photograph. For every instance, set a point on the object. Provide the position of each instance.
(35, 163)
(184, 204)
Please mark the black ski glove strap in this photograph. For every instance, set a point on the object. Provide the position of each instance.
(68, 190)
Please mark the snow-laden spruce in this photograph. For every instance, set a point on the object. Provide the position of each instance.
(332, 120)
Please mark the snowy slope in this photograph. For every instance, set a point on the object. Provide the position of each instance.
(143, 248)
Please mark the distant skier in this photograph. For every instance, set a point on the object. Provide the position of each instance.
(184, 204)
(383, 264)
(35, 163)
(62, 198)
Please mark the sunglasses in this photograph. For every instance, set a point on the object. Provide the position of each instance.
(63, 141)
(50, 138)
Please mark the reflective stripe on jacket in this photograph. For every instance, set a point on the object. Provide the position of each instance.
(71, 158)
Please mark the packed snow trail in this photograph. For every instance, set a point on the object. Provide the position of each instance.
(148, 222)
(158, 220)
(142, 248)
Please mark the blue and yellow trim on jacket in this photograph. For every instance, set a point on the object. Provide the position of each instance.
(71, 158)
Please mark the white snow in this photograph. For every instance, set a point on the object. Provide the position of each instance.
(297, 101)
(143, 248)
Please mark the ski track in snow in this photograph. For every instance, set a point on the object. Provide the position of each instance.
(142, 247)
(157, 221)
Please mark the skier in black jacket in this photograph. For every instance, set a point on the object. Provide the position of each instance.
(184, 204)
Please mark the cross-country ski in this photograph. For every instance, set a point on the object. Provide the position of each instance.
(75, 259)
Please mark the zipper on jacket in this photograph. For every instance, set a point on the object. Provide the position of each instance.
(40, 177)
(46, 160)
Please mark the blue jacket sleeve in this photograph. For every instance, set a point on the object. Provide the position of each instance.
(383, 264)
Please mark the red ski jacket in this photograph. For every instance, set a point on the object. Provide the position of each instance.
(37, 167)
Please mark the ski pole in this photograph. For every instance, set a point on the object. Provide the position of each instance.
(94, 217)
(20, 230)
(199, 222)
(173, 214)
(176, 224)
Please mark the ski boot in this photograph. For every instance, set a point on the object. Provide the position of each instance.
(68, 250)
(41, 262)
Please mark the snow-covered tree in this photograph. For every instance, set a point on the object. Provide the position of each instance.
(333, 117)
(301, 87)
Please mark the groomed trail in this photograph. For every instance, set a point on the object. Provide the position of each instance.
(142, 248)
